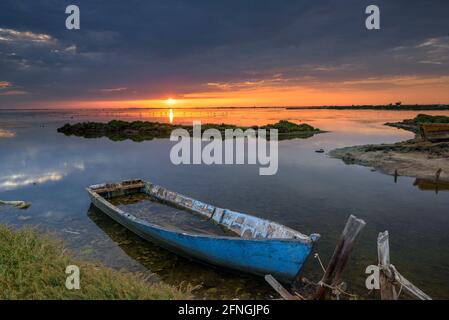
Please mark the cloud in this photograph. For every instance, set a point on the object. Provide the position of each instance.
(276, 80)
(13, 93)
(401, 81)
(24, 36)
(25, 178)
(22, 180)
(114, 89)
(429, 51)
(4, 84)
(314, 83)
(7, 133)
(158, 48)
(7, 89)
(435, 43)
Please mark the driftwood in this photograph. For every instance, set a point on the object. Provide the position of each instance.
(280, 289)
(390, 278)
(17, 204)
(340, 258)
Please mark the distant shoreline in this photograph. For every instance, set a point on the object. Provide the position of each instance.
(415, 107)
(377, 107)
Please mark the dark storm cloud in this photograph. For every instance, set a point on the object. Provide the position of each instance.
(143, 49)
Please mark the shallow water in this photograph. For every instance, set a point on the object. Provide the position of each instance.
(311, 193)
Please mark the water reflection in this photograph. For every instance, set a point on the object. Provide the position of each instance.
(310, 193)
(431, 185)
(23, 179)
(172, 269)
(170, 116)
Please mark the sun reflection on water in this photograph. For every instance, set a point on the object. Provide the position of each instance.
(170, 116)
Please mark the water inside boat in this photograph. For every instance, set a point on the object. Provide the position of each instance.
(146, 208)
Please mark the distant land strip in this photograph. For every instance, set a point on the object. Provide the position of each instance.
(391, 107)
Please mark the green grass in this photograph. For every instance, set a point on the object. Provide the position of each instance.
(425, 118)
(138, 131)
(32, 266)
(285, 127)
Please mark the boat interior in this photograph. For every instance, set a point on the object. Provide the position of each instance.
(169, 209)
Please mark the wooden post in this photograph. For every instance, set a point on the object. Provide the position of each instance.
(280, 289)
(438, 174)
(396, 176)
(422, 132)
(340, 257)
(387, 289)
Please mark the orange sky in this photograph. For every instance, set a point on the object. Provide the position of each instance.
(370, 91)
(270, 92)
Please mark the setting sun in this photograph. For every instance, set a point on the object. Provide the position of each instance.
(170, 101)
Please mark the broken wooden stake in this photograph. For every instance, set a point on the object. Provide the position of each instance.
(437, 175)
(340, 257)
(280, 289)
(389, 275)
(387, 289)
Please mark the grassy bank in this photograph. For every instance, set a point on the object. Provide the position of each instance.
(32, 266)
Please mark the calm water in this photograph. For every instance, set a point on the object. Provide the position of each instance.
(310, 193)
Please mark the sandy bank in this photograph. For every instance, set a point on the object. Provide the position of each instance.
(414, 158)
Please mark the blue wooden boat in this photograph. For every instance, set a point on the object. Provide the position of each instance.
(254, 245)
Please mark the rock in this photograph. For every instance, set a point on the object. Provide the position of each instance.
(17, 204)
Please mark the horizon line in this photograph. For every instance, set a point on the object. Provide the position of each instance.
(237, 107)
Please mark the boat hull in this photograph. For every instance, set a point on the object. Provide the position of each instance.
(282, 258)
(435, 132)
